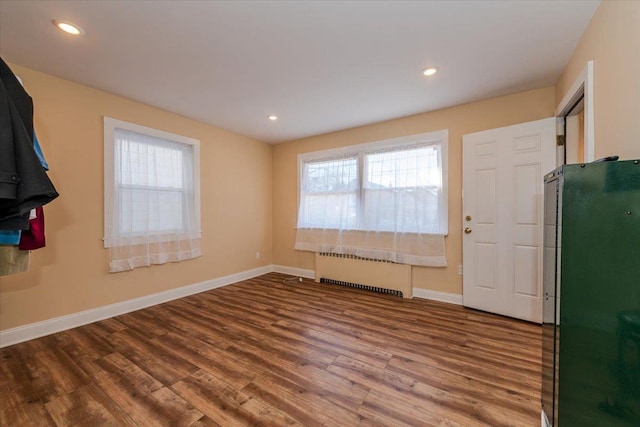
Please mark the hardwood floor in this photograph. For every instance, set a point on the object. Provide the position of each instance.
(265, 353)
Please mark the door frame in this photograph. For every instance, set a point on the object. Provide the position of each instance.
(582, 86)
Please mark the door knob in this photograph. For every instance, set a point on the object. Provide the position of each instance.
(467, 230)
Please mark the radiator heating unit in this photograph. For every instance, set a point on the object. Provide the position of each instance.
(364, 273)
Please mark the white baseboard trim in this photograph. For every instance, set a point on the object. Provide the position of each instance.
(309, 274)
(46, 327)
(438, 296)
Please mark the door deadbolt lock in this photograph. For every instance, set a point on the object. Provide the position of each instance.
(467, 218)
(467, 230)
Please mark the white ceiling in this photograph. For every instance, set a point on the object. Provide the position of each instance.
(321, 66)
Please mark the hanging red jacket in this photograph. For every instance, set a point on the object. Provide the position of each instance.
(33, 238)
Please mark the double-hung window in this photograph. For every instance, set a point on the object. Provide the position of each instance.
(386, 199)
(152, 205)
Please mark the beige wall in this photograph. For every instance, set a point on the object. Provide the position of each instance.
(459, 120)
(70, 274)
(612, 40)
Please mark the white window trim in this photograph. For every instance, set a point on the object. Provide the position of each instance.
(110, 125)
(440, 136)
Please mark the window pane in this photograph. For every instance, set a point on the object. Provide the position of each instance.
(410, 210)
(329, 211)
(402, 190)
(415, 167)
(142, 211)
(149, 161)
(329, 194)
(331, 176)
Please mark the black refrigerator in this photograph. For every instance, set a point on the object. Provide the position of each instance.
(591, 318)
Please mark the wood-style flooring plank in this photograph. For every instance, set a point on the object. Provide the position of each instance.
(393, 410)
(264, 353)
(80, 342)
(166, 367)
(310, 376)
(88, 406)
(337, 344)
(228, 405)
(458, 383)
(53, 372)
(237, 370)
(307, 407)
(18, 413)
(144, 399)
(14, 379)
(455, 406)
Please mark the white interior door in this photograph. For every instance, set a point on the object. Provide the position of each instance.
(503, 172)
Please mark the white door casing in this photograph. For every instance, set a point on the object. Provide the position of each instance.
(503, 172)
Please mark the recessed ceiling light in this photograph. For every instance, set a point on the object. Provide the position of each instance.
(272, 118)
(68, 27)
(430, 71)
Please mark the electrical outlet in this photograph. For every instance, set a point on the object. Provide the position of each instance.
(460, 269)
(257, 255)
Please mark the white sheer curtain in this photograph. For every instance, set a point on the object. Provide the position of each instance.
(154, 218)
(385, 203)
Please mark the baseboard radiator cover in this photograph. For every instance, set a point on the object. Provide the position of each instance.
(364, 273)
